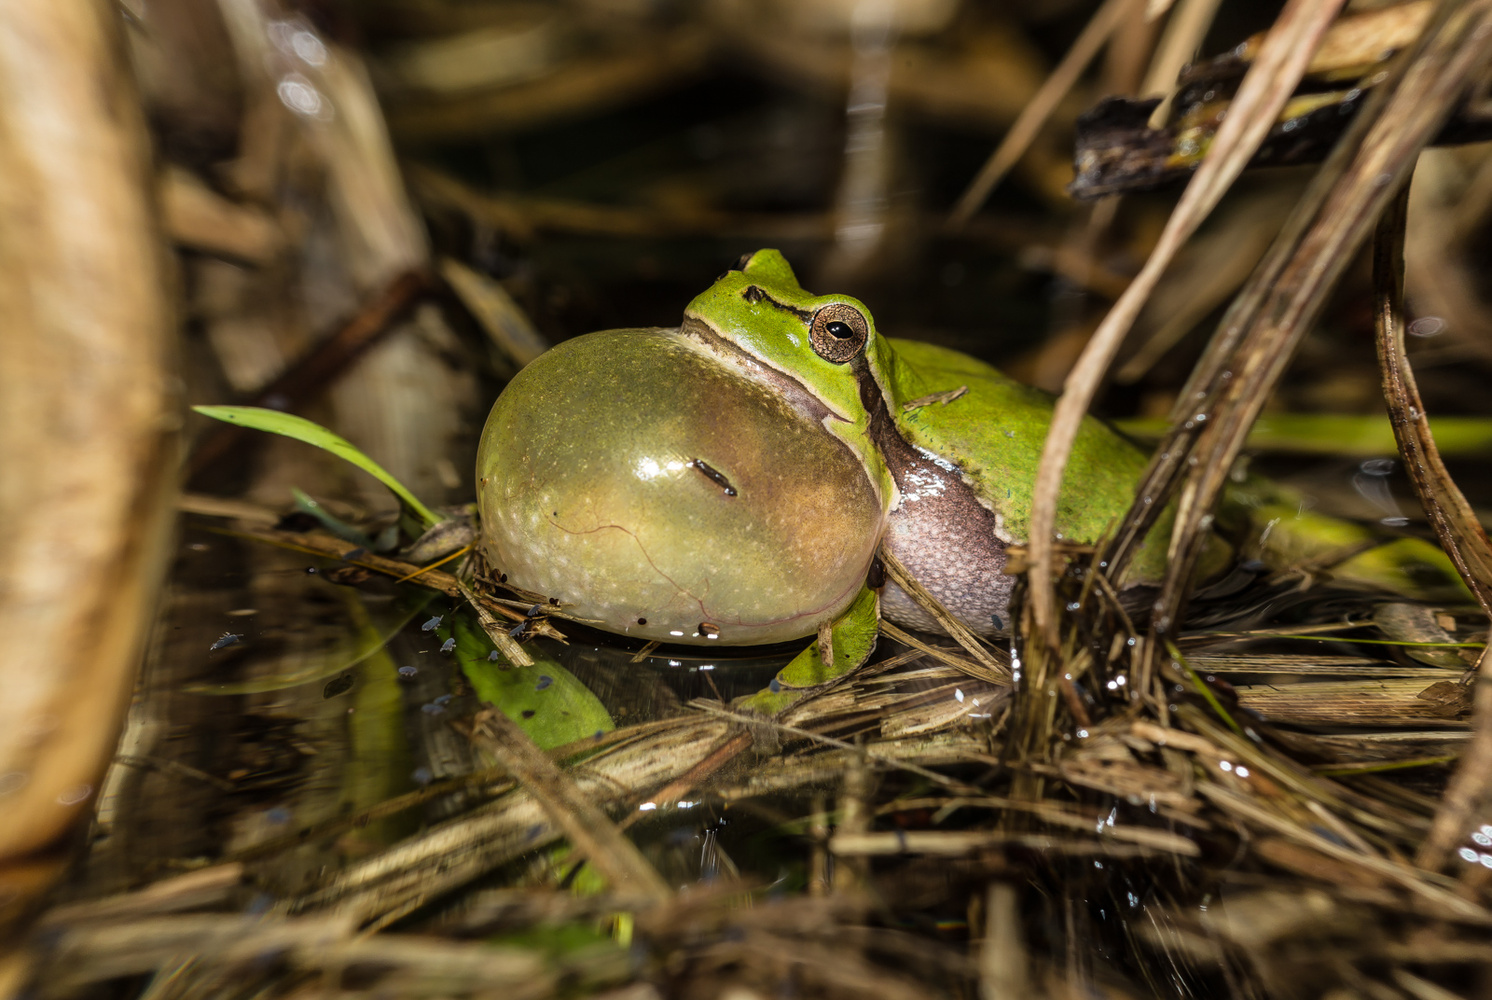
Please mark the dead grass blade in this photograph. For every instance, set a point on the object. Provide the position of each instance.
(1282, 61)
(999, 672)
(1257, 339)
(589, 829)
(1036, 112)
(1455, 523)
(1179, 44)
(1471, 786)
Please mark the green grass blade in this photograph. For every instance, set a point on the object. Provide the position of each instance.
(312, 433)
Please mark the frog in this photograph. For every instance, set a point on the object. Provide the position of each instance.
(950, 442)
(731, 480)
(740, 479)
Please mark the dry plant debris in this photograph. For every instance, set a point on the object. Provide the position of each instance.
(1218, 798)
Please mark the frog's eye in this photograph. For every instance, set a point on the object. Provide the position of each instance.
(839, 332)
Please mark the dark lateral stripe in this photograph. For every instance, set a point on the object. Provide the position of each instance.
(754, 294)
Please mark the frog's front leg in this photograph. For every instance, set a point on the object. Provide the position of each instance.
(848, 639)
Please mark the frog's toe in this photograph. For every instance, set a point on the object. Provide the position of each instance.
(767, 703)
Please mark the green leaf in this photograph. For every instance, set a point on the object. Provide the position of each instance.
(547, 702)
(854, 639)
(310, 432)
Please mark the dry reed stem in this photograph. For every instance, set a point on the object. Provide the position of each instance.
(1036, 112)
(1416, 101)
(587, 827)
(1446, 508)
(1268, 85)
(1456, 526)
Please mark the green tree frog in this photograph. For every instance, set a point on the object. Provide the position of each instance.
(730, 481)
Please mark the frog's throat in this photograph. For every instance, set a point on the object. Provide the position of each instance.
(798, 398)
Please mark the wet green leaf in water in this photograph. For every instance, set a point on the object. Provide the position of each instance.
(310, 505)
(548, 702)
(301, 429)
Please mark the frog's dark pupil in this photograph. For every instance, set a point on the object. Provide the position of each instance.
(839, 330)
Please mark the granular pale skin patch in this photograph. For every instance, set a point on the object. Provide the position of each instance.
(943, 535)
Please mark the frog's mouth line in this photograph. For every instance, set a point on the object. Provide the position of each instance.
(789, 388)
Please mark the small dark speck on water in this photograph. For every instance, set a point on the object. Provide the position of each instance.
(336, 686)
(432, 624)
(226, 639)
(492, 656)
(544, 681)
(407, 671)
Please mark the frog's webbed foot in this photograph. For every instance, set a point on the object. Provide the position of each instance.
(848, 642)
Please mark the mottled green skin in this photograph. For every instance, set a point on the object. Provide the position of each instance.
(995, 432)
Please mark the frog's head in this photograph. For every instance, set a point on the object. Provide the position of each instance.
(821, 351)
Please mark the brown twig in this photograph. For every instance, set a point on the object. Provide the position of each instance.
(1455, 524)
(589, 829)
(1036, 112)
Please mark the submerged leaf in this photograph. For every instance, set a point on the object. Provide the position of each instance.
(547, 702)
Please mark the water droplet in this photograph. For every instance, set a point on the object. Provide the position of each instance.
(299, 95)
(1427, 326)
(72, 796)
